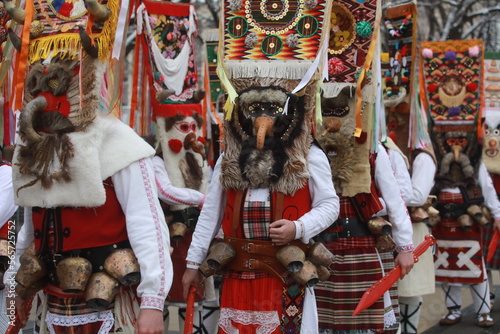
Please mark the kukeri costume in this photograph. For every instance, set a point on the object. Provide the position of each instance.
(270, 170)
(360, 175)
(403, 110)
(452, 71)
(167, 34)
(491, 147)
(94, 239)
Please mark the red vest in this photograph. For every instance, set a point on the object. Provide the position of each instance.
(294, 207)
(80, 228)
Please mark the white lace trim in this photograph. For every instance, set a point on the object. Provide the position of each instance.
(77, 320)
(389, 319)
(267, 321)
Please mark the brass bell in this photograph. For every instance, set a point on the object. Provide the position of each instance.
(385, 243)
(433, 220)
(73, 274)
(475, 212)
(323, 273)
(379, 226)
(177, 231)
(122, 265)
(419, 215)
(465, 222)
(292, 257)
(32, 270)
(320, 255)
(487, 213)
(433, 212)
(4, 248)
(308, 275)
(101, 290)
(205, 269)
(220, 254)
(25, 293)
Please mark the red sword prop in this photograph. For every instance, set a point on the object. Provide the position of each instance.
(188, 323)
(493, 246)
(382, 285)
(16, 326)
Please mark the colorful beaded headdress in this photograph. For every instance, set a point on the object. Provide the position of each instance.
(348, 96)
(271, 56)
(453, 79)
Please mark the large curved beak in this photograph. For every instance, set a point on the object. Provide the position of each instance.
(456, 149)
(263, 127)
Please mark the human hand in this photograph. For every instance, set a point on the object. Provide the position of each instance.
(149, 321)
(282, 231)
(191, 277)
(496, 224)
(405, 261)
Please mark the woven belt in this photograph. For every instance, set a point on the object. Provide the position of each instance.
(349, 227)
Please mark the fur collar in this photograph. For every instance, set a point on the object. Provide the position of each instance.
(106, 146)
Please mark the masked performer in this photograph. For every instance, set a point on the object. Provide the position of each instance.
(452, 72)
(168, 35)
(361, 173)
(414, 145)
(272, 185)
(94, 239)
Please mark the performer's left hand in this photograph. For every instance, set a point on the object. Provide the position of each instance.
(149, 321)
(497, 224)
(282, 231)
(406, 261)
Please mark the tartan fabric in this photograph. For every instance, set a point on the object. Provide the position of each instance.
(459, 257)
(256, 219)
(388, 264)
(353, 271)
(73, 306)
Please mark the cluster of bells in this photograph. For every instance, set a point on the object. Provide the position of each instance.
(75, 276)
(429, 215)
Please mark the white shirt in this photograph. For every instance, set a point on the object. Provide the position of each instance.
(7, 206)
(391, 194)
(146, 229)
(170, 194)
(422, 179)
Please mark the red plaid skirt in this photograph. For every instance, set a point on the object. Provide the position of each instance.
(355, 268)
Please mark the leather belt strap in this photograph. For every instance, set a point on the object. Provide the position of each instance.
(344, 228)
(258, 256)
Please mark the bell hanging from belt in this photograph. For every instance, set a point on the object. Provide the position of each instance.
(220, 254)
(25, 293)
(123, 265)
(291, 257)
(205, 269)
(379, 226)
(177, 231)
(465, 222)
(308, 275)
(419, 215)
(73, 274)
(4, 260)
(320, 255)
(323, 273)
(475, 212)
(101, 290)
(32, 270)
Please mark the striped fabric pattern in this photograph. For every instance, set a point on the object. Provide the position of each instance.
(353, 271)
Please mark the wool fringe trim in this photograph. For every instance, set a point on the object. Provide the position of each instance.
(333, 89)
(292, 70)
(211, 35)
(44, 47)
